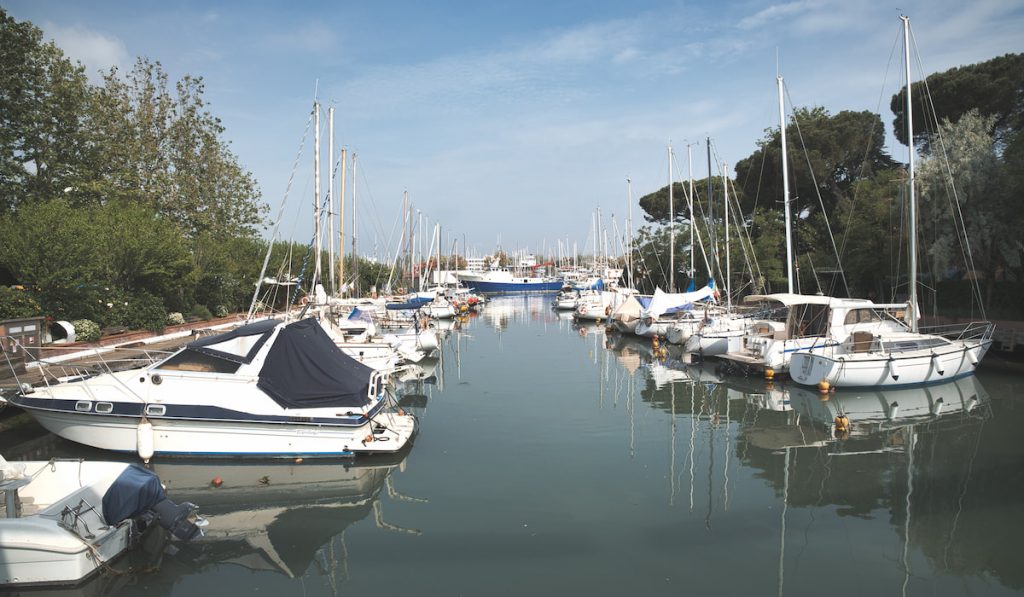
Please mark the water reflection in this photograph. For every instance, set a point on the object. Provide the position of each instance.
(930, 461)
(285, 518)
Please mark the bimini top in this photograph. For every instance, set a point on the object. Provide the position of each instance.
(305, 369)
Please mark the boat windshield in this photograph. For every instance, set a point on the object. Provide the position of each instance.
(193, 360)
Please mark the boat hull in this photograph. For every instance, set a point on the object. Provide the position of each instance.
(898, 369)
(523, 285)
(215, 438)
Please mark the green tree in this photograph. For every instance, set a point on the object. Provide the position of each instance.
(42, 99)
(993, 88)
(827, 155)
(968, 180)
(165, 149)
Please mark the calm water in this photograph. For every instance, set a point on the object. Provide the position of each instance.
(553, 459)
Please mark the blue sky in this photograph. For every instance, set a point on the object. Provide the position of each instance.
(513, 122)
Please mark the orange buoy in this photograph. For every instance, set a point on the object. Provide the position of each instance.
(769, 373)
(298, 461)
(823, 386)
(217, 481)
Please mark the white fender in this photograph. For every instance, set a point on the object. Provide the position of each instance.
(144, 439)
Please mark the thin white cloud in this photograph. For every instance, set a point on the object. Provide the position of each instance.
(774, 13)
(96, 51)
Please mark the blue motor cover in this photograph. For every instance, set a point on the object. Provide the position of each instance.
(135, 491)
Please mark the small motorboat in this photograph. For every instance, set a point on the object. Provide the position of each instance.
(66, 519)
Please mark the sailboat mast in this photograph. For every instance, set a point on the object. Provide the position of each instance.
(671, 229)
(330, 195)
(728, 261)
(341, 226)
(910, 180)
(355, 257)
(785, 187)
(689, 205)
(629, 233)
(316, 196)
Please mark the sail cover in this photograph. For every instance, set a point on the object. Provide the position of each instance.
(305, 369)
(663, 302)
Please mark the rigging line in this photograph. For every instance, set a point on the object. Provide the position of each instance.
(280, 213)
(744, 235)
(965, 245)
(817, 192)
(867, 148)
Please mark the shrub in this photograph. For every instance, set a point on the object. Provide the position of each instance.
(141, 311)
(86, 331)
(202, 312)
(221, 311)
(16, 303)
(175, 318)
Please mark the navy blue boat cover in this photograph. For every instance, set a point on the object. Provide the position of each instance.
(135, 490)
(305, 369)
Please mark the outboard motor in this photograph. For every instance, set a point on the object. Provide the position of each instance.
(177, 519)
(137, 493)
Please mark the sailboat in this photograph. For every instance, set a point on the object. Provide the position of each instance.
(794, 322)
(898, 353)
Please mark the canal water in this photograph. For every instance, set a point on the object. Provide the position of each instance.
(556, 459)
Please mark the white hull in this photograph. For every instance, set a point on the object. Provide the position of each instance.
(650, 330)
(915, 367)
(35, 550)
(232, 438)
(715, 344)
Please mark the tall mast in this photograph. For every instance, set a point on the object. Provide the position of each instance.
(355, 256)
(330, 195)
(316, 195)
(728, 262)
(689, 205)
(341, 227)
(711, 207)
(785, 188)
(910, 180)
(671, 229)
(629, 234)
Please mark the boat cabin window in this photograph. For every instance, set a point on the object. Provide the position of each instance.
(192, 360)
(861, 316)
(913, 344)
(807, 321)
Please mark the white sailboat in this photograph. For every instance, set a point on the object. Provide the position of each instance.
(897, 354)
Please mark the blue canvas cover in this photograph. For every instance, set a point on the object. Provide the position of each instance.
(413, 303)
(305, 369)
(135, 491)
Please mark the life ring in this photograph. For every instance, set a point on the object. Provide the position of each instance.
(304, 300)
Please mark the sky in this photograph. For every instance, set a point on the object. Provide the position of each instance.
(510, 123)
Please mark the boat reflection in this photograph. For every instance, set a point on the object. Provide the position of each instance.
(286, 518)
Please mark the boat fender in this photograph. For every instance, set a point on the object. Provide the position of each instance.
(144, 440)
(894, 370)
(823, 386)
(368, 439)
(937, 364)
(842, 427)
(769, 373)
(608, 310)
(973, 358)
